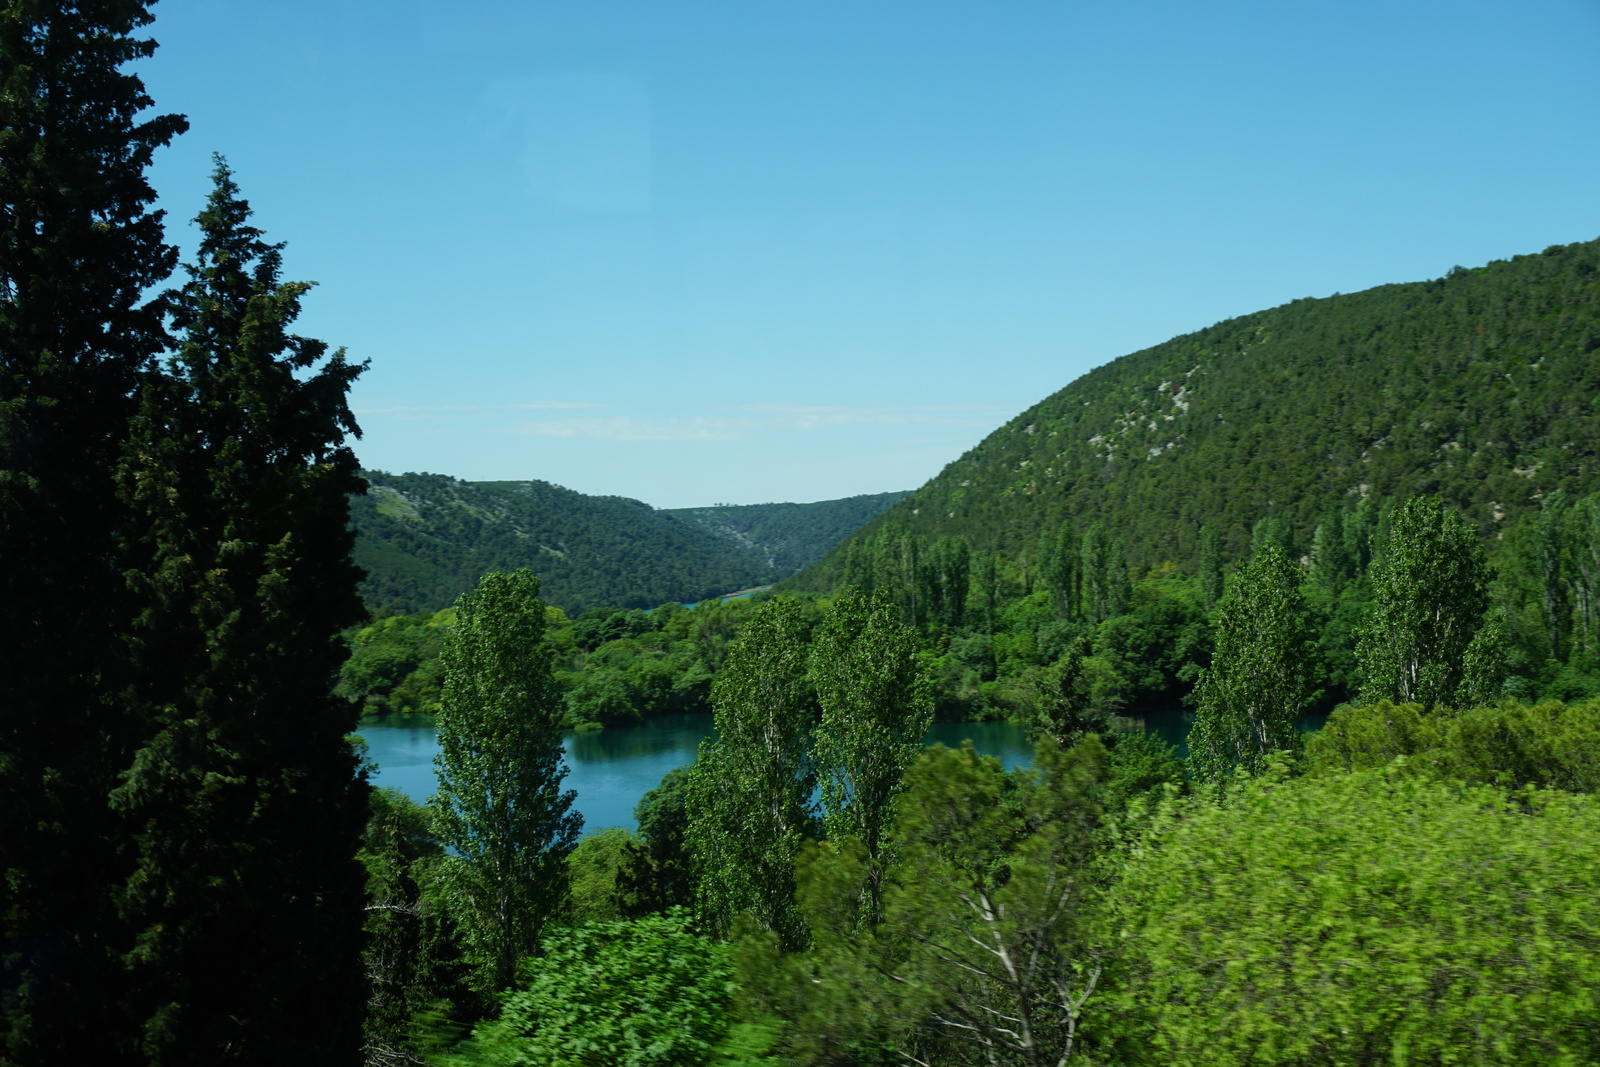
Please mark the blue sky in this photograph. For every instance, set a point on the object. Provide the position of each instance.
(756, 250)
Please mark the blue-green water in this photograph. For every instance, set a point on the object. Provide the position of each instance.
(612, 768)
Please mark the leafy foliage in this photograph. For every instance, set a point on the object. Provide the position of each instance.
(1430, 594)
(875, 709)
(1259, 682)
(412, 956)
(645, 992)
(749, 797)
(981, 955)
(1510, 743)
(1366, 918)
(593, 868)
(500, 807)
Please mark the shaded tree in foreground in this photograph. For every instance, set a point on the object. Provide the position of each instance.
(80, 248)
(242, 806)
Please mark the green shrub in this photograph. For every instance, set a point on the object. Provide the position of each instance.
(1377, 917)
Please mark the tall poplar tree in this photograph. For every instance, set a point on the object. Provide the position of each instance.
(1260, 678)
(1430, 594)
(242, 805)
(876, 705)
(500, 806)
(749, 797)
(1211, 581)
(80, 247)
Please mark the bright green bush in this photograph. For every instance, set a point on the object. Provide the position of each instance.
(1374, 918)
(1512, 744)
(643, 993)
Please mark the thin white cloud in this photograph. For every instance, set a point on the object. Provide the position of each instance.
(399, 409)
(627, 428)
(754, 418)
(816, 416)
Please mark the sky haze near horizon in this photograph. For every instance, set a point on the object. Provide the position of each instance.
(708, 252)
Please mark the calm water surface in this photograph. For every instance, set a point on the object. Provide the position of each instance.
(612, 768)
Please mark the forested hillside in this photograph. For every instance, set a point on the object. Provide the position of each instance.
(426, 538)
(790, 537)
(1482, 387)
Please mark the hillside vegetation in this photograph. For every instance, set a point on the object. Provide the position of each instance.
(789, 537)
(426, 538)
(1482, 387)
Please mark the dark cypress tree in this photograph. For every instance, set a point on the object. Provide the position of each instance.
(79, 249)
(243, 806)
(1211, 583)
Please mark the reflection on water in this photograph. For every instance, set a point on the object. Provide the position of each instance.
(1005, 740)
(1172, 726)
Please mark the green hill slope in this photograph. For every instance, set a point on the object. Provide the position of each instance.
(426, 538)
(789, 537)
(1482, 386)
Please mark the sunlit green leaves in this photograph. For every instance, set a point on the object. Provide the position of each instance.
(1369, 918)
(749, 796)
(1430, 592)
(1260, 678)
(500, 806)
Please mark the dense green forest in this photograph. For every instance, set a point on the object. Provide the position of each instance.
(791, 537)
(425, 539)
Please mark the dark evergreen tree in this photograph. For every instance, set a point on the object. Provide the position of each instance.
(1103, 575)
(79, 250)
(1583, 533)
(1276, 529)
(1210, 566)
(242, 806)
(1549, 524)
(945, 575)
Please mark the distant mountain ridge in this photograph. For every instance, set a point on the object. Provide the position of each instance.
(1482, 386)
(789, 537)
(426, 538)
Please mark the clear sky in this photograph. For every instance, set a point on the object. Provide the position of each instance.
(755, 250)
